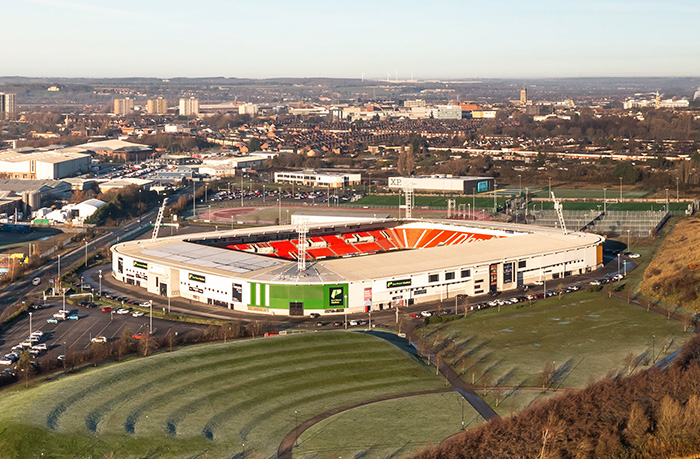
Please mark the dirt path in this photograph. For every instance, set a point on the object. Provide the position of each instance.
(284, 451)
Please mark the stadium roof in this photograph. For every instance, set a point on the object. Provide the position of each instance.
(179, 252)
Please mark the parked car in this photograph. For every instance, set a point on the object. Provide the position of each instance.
(36, 281)
(60, 315)
(107, 309)
(314, 315)
(595, 282)
(52, 320)
(137, 314)
(123, 311)
(145, 304)
(73, 317)
(426, 313)
(138, 335)
(99, 339)
(353, 323)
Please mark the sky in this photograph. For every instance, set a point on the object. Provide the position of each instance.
(446, 39)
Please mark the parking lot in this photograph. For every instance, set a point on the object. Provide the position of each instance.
(76, 335)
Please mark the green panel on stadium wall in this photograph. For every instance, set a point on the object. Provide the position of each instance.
(328, 296)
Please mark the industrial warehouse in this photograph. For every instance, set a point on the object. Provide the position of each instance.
(333, 268)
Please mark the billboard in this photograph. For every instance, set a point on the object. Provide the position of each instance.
(507, 273)
(493, 277)
(398, 283)
(336, 296)
(482, 186)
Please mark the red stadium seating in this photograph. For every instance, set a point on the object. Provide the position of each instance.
(338, 245)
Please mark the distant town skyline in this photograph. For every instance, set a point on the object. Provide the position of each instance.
(312, 38)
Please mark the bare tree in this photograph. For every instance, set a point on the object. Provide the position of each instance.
(546, 377)
(630, 360)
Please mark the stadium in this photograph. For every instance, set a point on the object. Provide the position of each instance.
(352, 266)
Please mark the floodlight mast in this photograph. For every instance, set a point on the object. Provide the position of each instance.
(558, 207)
(408, 191)
(159, 220)
(302, 229)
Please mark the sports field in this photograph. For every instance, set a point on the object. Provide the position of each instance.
(587, 336)
(612, 193)
(431, 201)
(235, 399)
(598, 205)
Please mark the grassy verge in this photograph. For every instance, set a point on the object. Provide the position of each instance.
(585, 335)
(222, 400)
(388, 428)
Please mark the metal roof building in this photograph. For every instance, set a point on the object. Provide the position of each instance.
(352, 265)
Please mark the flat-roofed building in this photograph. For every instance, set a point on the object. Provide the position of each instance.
(157, 106)
(123, 106)
(445, 183)
(44, 165)
(320, 179)
(189, 107)
(7, 105)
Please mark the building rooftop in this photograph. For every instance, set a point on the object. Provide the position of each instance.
(112, 145)
(53, 156)
(523, 241)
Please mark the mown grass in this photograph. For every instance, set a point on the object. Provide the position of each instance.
(220, 399)
(420, 201)
(593, 193)
(587, 336)
(391, 428)
(622, 206)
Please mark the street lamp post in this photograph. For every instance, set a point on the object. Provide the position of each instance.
(520, 184)
(618, 263)
(59, 272)
(150, 319)
(296, 423)
(605, 200)
(628, 239)
(30, 324)
(100, 271)
(82, 281)
(677, 198)
(346, 312)
(620, 189)
(86, 247)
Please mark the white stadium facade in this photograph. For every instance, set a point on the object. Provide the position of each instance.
(353, 266)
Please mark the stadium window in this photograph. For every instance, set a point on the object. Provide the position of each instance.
(433, 277)
(522, 264)
(466, 273)
(450, 275)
